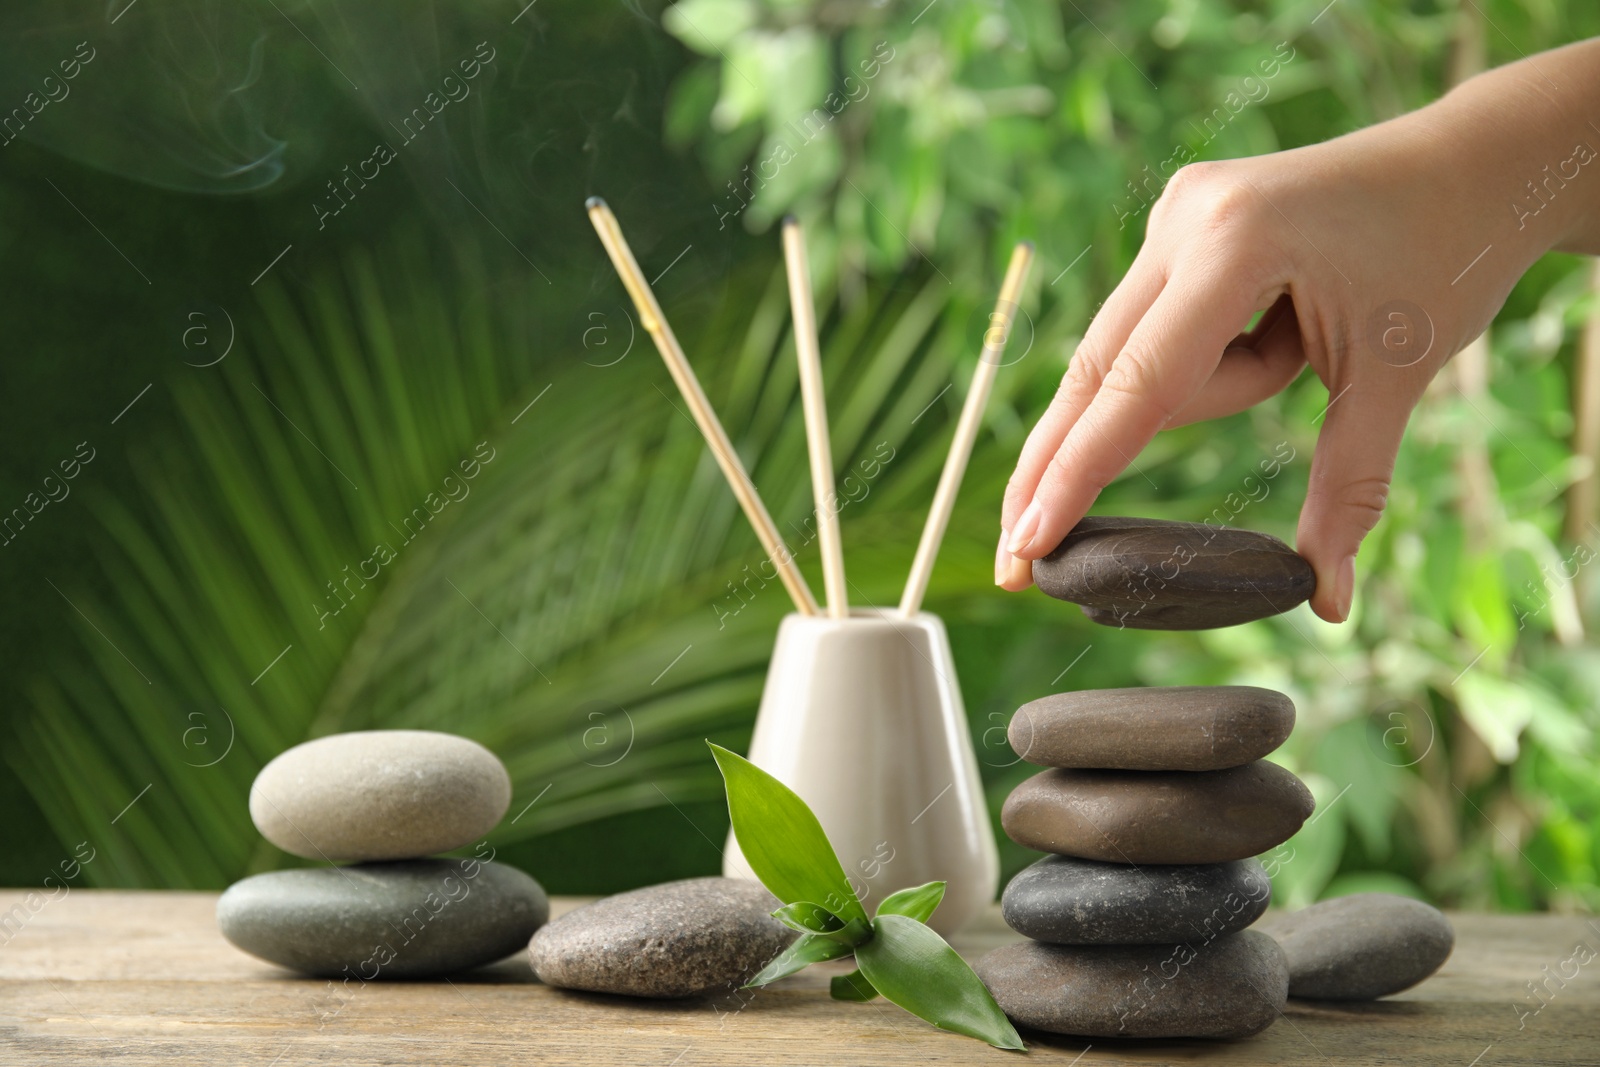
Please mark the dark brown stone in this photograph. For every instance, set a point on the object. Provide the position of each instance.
(1361, 947)
(1151, 574)
(1182, 728)
(1230, 987)
(1158, 816)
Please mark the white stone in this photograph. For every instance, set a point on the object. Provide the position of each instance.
(380, 795)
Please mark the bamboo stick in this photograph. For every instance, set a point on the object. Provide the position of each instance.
(955, 464)
(655, 324)
(814, 401)
(1585, 491)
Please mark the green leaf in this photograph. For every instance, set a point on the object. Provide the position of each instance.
(807, 918)
(856, 932)
(809, 949)
(709, 26)
(853, 986)
(782, 840)
(911, 965)
(917, 903)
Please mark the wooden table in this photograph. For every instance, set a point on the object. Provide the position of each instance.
(145, 978)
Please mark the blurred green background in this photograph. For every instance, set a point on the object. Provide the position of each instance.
(278, 343)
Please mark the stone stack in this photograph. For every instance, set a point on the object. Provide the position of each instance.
(384, 802)
(1155, 803)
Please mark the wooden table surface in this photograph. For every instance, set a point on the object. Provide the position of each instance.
(145, 978)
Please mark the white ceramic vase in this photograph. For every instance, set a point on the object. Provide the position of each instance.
(862, 717)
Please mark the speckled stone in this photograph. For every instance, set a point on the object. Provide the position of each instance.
(1361, 947)
(1178, 728)
(1232, 987)
(677, 939)
(1158, 816)
(408, 919)
(1084, 902)
(1151, 574)
(380, 795)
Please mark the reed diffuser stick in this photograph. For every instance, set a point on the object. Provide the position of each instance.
(815, 405)
(655, 324)
(955, 464)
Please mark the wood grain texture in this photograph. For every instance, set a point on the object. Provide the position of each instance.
(144, 978)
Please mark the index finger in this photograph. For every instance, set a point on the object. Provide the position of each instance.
(1168, 357)
(1106, 335)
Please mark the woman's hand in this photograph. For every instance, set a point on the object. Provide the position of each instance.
(1374, 258)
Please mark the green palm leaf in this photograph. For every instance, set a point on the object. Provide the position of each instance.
(589, 610)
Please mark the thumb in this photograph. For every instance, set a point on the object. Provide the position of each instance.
(1348, 488)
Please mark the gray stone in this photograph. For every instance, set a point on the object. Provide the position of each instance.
(1362, 946)
(1231, 987)
(1151, 574)
(408, 919)
(1158, 816)
(379, 795)
(677, 939)
(1179, 728)
(1084, 902)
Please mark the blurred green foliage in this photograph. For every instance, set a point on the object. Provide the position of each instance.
(1447, 730)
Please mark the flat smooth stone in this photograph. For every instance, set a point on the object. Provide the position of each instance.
(1071, 901)
(1232, 987)
(677, 939)
(1361, 947)
(1178, 728)
(380, 795)
(408, 919)
(1152, 574)
(1158, 816)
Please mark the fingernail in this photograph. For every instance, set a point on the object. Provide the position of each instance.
(1027, 526)
(1002, 560)
(1344, 587)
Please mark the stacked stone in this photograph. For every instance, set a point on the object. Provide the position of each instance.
(384, 802)
(1152, 574)
(1155, 804)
